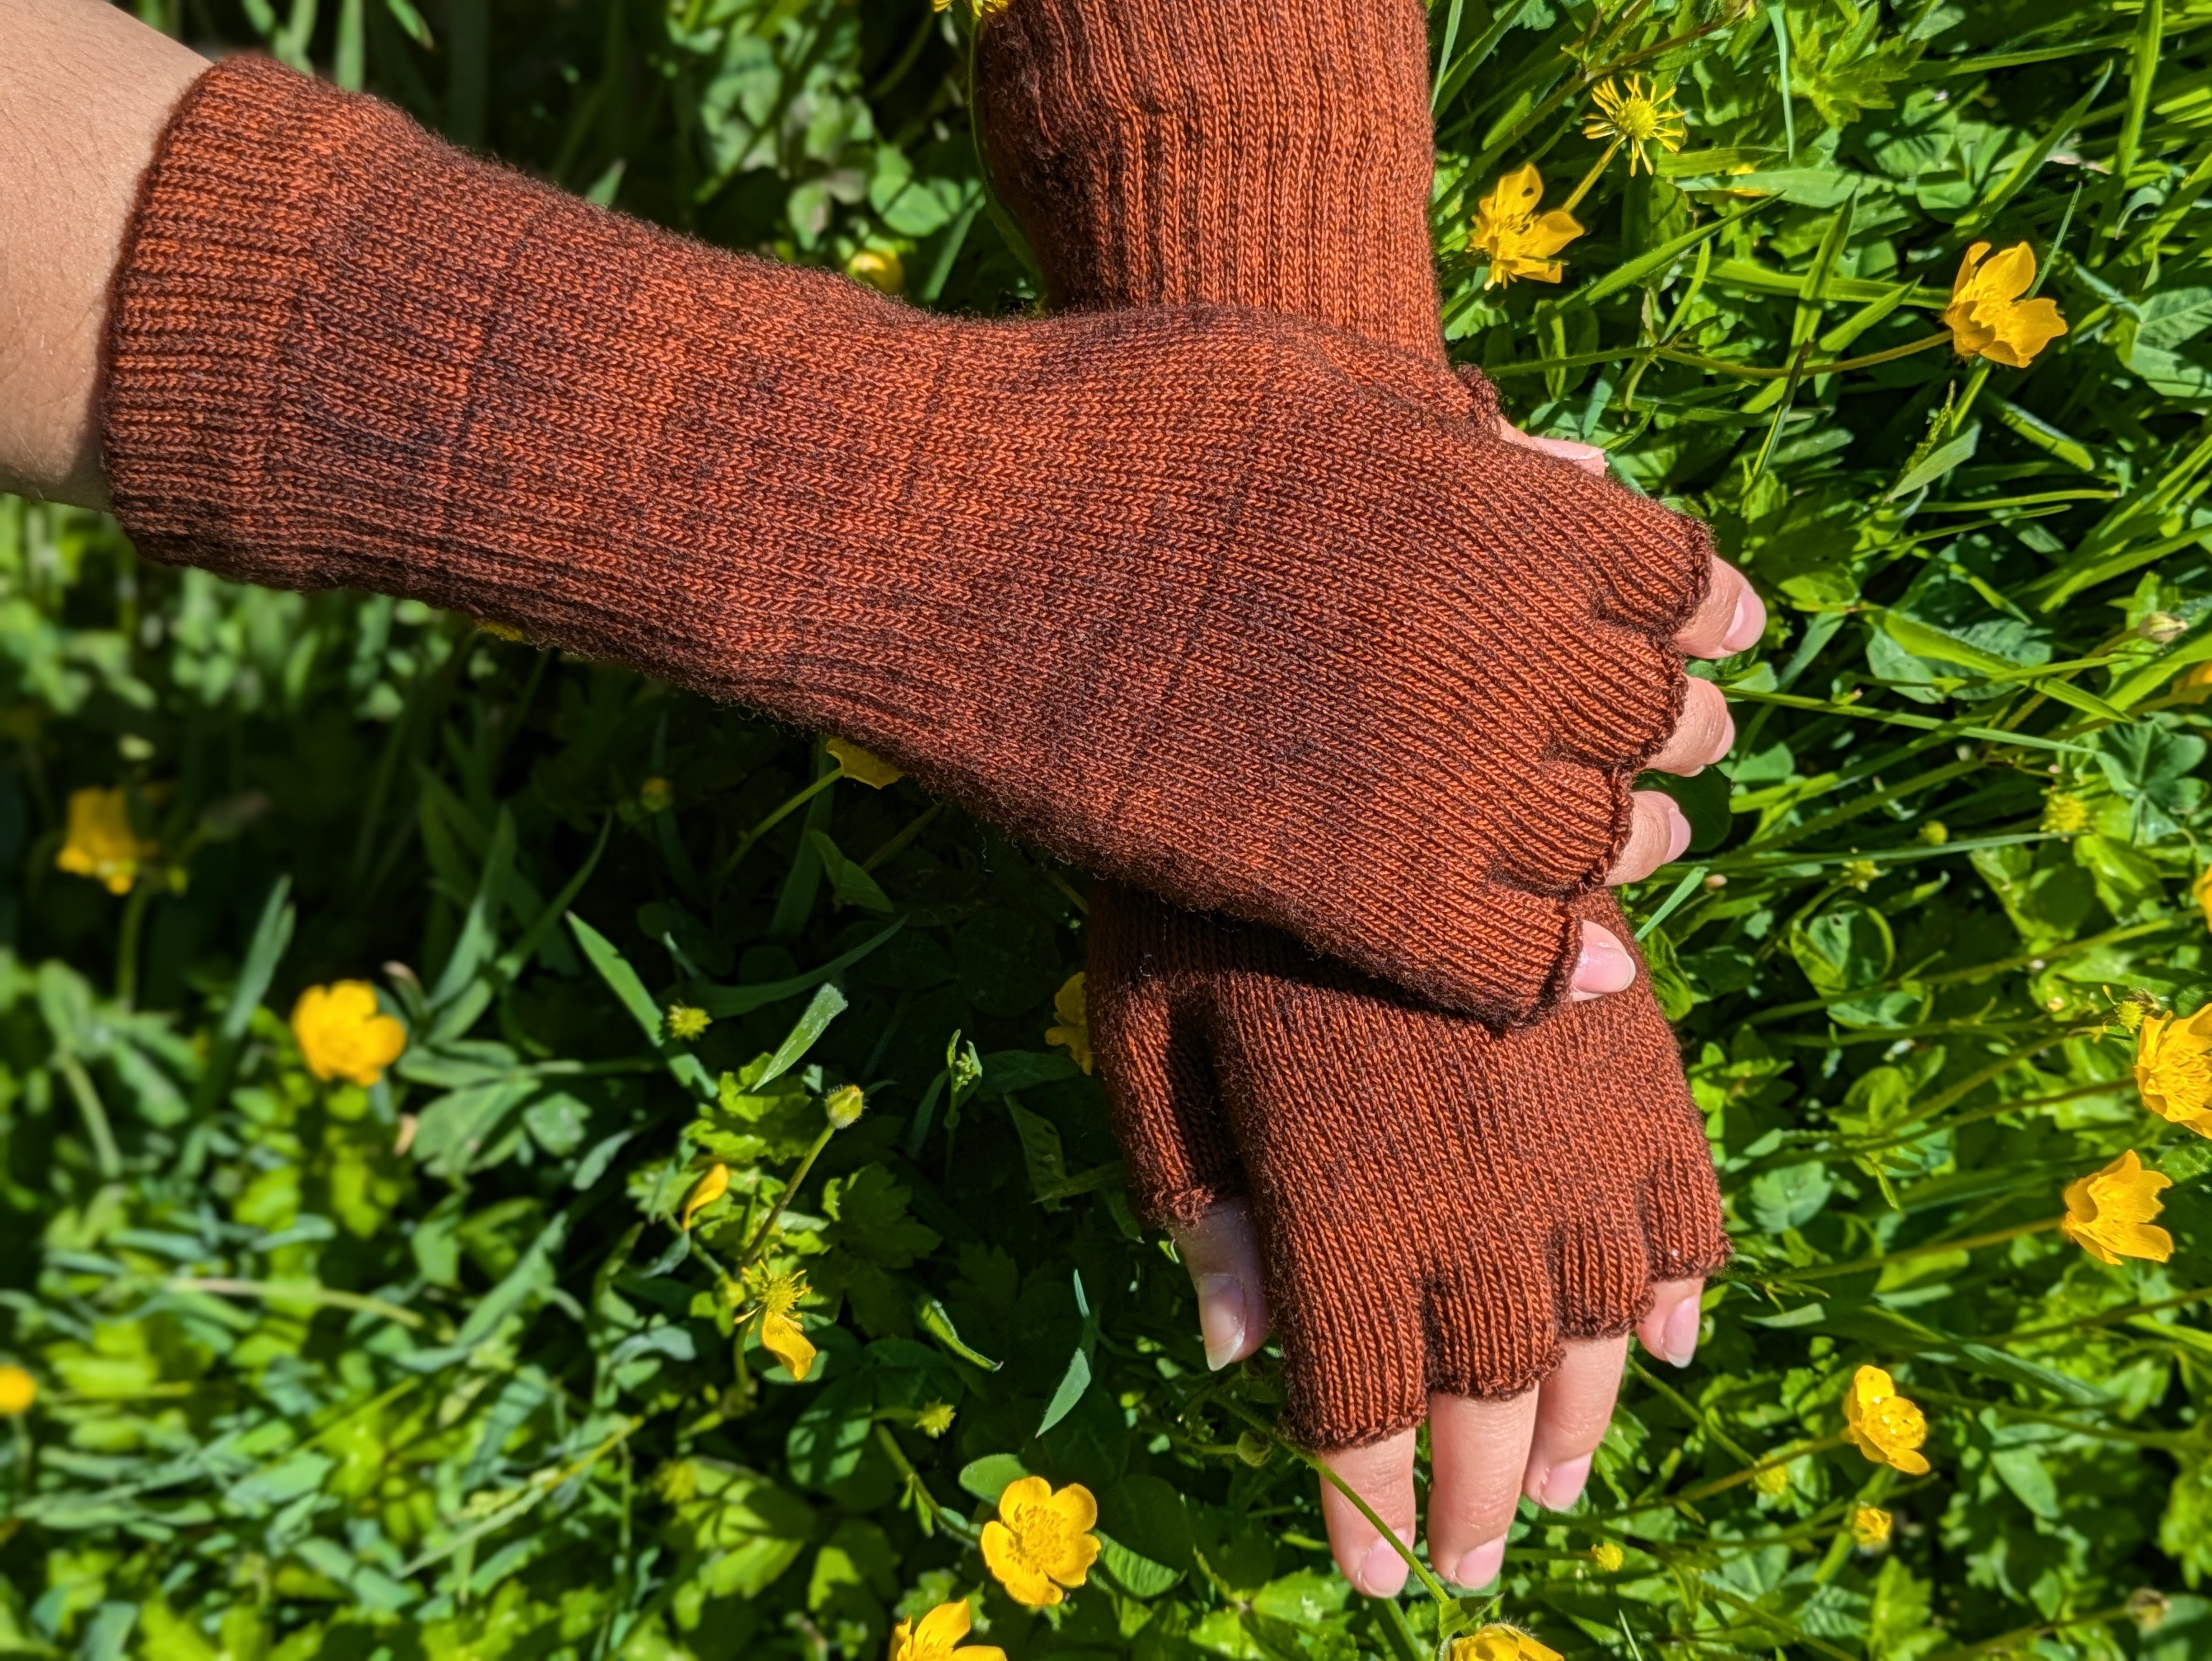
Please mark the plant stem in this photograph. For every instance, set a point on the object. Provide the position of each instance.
(791, 806)
(767, 1223)
(1829, 1271)
(126, 945)
(104, 1153)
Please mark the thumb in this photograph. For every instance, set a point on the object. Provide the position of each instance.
(1223, 1256)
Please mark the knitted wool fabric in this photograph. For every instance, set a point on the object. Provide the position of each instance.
(1438, 1206)
(1215, 600)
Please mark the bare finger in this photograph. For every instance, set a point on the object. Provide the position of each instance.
(1588, 457)
(1478, 1451)
(1604, 966)
(1657, 833)
(1731, 620)
(1573, 1407)
(1670, 1330)
(1702, 734)
(1223, 1257)
(1382, 1473)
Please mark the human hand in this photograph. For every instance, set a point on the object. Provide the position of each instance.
(1440, 1222)
(1731, 620)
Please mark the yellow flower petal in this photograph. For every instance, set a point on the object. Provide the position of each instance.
(2109, 1212)
(343, 1035)
(1024, 1583)
(1072, 1006)
(1041, 1542)
(1887, 1427)
(1519, 244)
(18, 1390)
(99, 841)
(862, 766)
(2173, 1068)
(1987, 317)
(783, 1338)
(711, 1186)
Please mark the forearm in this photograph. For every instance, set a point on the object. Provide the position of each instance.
(84, 93)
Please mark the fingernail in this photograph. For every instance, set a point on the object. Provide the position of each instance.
(1221, 1316)
(1604, 966)
(1563, 1484)
(1382, 1572)
(1748, 622)
(1480, 1567)
(1681, 1335)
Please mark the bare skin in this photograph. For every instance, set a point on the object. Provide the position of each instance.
(85, 91)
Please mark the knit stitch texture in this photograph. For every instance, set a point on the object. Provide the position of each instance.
(1215, 600)
(1439, 1208)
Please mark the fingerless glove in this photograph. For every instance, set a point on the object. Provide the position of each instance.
(1440, 1206)
(1233, 606)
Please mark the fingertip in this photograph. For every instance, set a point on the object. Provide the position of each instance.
(1748, 623)
(1670, 1331)
(1224, 1319)
(1604, 965)
(1383, 1571)
(1679, 833)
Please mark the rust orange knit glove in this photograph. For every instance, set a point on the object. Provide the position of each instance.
(1232, 604)
(1438, 1206)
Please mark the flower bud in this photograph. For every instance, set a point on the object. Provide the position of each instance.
(2161, 628)
(1870, 1527)
(2149, 1608)
(1254, 1449)
(1934, 834)
(2065, 815)
(1608, 1557)
(656, 795)
(880, 269)
(844, 1106)
(688, 1022)
(1773, 1481)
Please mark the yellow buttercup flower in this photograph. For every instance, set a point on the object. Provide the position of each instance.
(1040, 1541)
(343, 1034)
(1870, 1527)
(936, 1635)
(880, 269)
(861, 766)
(713, 1183)
(2173, 1068)
(1499, 1642)
(687, 1022)
(2109, 1212)
(2193, 684)
(1636, 118)
(1072, 1006)
(2201, 891)
(780, 1334)
(18, 1390)
(1987, 318)
(100, 843)
(1519, 243)
(1887, 1427)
